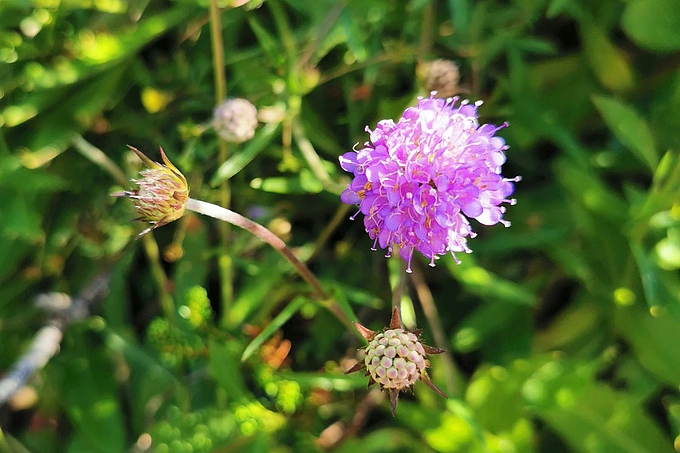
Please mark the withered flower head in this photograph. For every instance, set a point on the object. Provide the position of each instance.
(441, 76)
(162, 195)
(395, 358)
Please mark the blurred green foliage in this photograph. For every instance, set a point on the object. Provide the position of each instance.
(562, 329)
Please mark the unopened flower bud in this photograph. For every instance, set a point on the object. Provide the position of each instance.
(235, 120)
(441, 76)
(162, 195)
(395, 359)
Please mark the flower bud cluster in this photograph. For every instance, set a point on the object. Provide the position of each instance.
(395, 358)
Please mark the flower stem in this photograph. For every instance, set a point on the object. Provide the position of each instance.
(425, 45)
(153, 254)
(217, 51)
(231, 217)
(225, 262)
(454, 379)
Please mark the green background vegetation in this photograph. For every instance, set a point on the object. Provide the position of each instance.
(562, 331)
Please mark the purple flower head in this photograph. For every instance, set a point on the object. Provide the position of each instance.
(419, 180)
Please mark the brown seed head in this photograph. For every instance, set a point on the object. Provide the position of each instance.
(441, 76)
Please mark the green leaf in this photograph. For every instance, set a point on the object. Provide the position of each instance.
(356, 295)
(590, 191)
(258, 292)
(657, 294)
(653, 24)
(9, 444)
(148, 377)
(630, 128)
(383, 440)
(483, 283)
(556, 7)
(273, 326)
(226, 370)
(608, 63)
(21, 220)
(460, 14)
(602, 419)
(342, 303)
(662, 196)
(74, 114)
(653, 340)
(353, 35)
(268, 43)
(481, 324)
(238, 161)
(90, 393)
(304, 183)
(573, 324)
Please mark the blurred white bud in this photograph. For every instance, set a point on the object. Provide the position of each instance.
(235, 120)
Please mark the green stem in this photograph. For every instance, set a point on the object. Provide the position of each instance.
(154, 256)
(425, 45)
(225, 262)
(454, 378)
(236, 219)
(217, 51)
